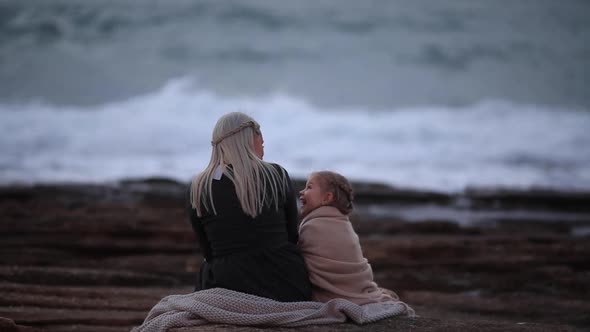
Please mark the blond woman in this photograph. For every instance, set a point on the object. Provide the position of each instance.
(244, 213)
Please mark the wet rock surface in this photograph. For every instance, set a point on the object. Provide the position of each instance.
(79, 257)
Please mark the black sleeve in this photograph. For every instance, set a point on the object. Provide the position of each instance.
(198, 228)
(291, 213)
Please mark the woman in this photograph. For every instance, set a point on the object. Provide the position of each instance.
(244, 213)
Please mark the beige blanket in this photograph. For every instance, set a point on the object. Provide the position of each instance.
(224, 306)
(335, 261)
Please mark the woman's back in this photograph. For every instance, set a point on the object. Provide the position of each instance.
(232, 231)
(252, 255)
(244, 213)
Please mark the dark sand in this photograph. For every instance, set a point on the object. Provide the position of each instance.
(98, 257)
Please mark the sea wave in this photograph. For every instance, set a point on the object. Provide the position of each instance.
(167, 133)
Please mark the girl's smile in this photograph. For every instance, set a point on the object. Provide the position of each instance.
(312, 196)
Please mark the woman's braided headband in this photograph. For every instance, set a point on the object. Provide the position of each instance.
(237, 130)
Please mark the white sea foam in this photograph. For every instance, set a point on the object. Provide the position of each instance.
(167, 133)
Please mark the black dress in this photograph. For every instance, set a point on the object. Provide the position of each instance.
(257, 256)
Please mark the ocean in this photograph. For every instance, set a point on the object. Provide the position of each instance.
(435, 95)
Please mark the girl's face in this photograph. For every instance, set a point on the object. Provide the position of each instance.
(312, 196)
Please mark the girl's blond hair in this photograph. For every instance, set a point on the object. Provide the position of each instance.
(257, 182)
(340, 188)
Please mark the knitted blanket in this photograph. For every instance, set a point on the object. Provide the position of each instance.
(223, 306)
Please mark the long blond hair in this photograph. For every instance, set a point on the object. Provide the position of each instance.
(257, 182)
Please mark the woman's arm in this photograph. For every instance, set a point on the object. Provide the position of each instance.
(198, 229)
(291, 213)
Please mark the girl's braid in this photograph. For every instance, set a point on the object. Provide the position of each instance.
(341, 188)
(346, 187)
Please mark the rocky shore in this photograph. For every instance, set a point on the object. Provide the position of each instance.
(91, 257)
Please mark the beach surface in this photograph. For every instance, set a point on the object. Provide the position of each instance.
(97, 257)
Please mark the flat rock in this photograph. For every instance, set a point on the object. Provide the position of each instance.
(83, 257)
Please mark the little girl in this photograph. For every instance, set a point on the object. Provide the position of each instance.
(330, 246)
